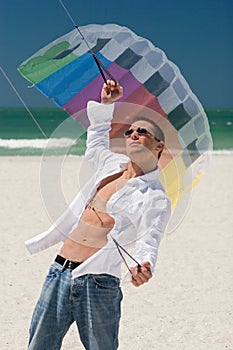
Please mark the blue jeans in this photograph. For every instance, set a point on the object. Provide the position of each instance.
(92, 301)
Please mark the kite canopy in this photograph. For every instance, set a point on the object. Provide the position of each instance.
(66, 72)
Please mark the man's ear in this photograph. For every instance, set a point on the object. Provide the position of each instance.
(160, 146)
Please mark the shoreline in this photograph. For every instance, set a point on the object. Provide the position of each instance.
(224, 152)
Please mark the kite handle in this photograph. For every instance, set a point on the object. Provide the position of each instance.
(101, 67)
(119, 248)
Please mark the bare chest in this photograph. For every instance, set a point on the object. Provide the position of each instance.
(105, 192)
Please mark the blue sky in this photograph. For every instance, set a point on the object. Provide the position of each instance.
(197, 35)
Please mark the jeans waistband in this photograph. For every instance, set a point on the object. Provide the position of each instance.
(67, 264)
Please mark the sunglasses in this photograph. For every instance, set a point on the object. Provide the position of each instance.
(140, 131)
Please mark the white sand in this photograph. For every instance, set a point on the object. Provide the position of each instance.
(187, 305)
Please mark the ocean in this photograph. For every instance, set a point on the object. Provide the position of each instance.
(20, 136)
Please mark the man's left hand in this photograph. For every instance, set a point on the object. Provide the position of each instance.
(141, 275)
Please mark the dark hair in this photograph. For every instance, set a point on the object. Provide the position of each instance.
(159, 134)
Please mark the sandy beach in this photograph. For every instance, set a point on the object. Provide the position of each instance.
(187, 305)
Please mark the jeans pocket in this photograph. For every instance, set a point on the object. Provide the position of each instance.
(54, 270)
(106, 281)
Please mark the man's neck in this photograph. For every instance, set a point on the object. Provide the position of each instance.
(135, 170)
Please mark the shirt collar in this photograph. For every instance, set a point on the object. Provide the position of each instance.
(146, 180)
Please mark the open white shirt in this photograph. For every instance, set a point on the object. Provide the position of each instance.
(141, 209)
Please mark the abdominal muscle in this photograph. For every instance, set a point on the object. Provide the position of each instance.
(88, 237)
(91, 233)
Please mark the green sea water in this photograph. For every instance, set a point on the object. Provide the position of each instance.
(221, 128)
(19, 135)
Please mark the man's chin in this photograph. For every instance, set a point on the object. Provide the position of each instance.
(135, 147)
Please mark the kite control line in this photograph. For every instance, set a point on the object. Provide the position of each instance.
(99, 64)
(119, 248)
(21, 99)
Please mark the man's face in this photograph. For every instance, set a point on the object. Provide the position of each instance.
(141, 143)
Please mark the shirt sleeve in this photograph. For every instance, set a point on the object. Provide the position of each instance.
(100, 117)
(151, 229)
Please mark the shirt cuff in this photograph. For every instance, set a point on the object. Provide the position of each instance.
(99, 112)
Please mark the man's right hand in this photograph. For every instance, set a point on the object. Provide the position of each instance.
(142, 275)
(111, 92)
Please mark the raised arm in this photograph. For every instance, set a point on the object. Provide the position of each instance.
(100, 117)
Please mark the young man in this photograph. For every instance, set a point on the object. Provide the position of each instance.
(124, 202)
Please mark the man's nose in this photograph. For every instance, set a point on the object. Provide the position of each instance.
(134, 135)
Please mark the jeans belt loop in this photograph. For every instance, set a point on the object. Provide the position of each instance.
(64, 265)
